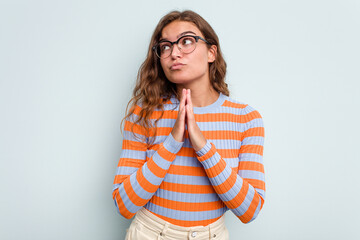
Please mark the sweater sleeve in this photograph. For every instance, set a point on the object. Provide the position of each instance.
(138, 175)
(243, 189)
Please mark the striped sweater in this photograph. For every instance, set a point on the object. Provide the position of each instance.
(187, 187)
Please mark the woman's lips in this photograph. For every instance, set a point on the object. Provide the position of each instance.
(176, 66)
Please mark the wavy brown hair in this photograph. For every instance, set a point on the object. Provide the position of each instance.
(153, 89)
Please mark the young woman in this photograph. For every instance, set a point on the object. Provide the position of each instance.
(190, 152)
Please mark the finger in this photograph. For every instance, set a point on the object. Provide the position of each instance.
(183, 95)
(189, 102)
(182, 116)
(188, 95)
(189, 109)
(183, 99)
(187, 120)
(189, 117)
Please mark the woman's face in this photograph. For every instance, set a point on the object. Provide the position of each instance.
(182, 68)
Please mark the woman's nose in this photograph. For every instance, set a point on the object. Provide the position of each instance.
(175, 51)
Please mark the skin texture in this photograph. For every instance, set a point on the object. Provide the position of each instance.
(195, 65)
(191, 79)
(186, 116)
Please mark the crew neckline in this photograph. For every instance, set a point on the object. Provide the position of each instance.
(207, 108)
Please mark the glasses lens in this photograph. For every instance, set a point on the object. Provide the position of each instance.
(187, 44)
(163, 49)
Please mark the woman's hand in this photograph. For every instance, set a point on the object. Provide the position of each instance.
(178, 131)
(186, 116)
(196, 137)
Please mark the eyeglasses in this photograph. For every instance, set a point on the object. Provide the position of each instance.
(186, 44)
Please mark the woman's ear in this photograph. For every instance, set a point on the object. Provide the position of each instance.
(212, 53)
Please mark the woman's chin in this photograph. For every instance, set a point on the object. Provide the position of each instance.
(180, 79)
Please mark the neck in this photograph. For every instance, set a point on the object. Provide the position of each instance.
(200, 96)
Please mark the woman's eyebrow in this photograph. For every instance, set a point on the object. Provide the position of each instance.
(184, 33)
(181, 34)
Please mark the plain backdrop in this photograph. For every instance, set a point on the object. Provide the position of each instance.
(67, 71)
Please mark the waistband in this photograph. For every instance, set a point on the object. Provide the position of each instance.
(163, 227)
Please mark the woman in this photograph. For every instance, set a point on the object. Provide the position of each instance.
(190, 152)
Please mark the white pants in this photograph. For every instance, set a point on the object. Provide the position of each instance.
(147, 226)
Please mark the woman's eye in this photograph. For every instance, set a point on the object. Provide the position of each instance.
(187, 41)
(165, 47)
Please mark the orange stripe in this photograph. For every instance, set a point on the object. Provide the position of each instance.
(160, 131)
(186, 152)
(131, 162)
(252, 166)
(154, 147)
(233, 105)
(207, 117)
(251, 116)
(168, 101)
(156, 114)
(187, 223)
(167, 114)
(134, 145)
(217, 117)
(227, 185)
(123, 210)
(187, 170)
(165, 154)
(186, 206)
(120, 178)
(258, 149)
(136, 128)
(222, 135)
(253, 132)
(156, 170)
(186, 188)
(256, 183)
(137, 109)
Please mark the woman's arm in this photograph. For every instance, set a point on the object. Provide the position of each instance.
(242, 189)
(138, 176)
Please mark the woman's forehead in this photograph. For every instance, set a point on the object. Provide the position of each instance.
(176, 29)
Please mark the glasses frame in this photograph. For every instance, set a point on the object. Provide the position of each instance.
(177, 42)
